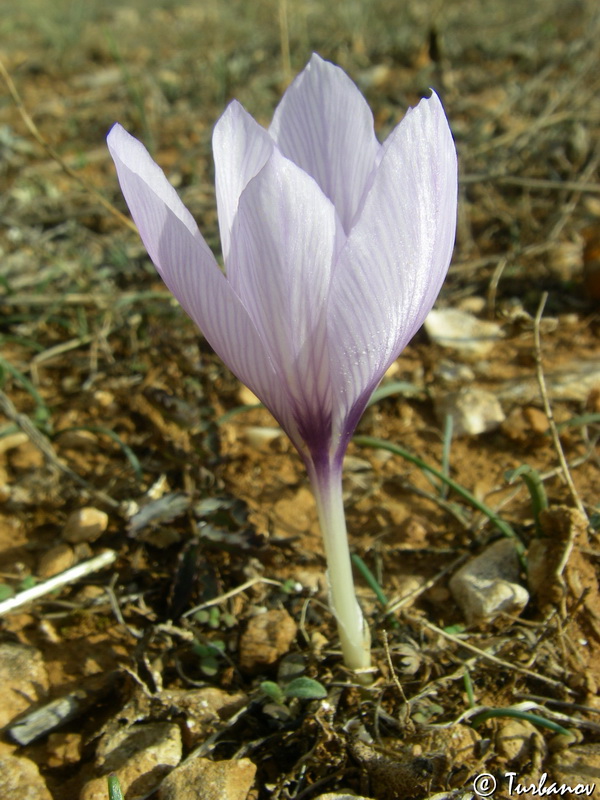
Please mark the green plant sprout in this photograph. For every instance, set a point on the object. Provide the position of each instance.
(114, 788)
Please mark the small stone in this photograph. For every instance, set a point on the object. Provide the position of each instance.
(63, 749)
(474, 304)
(536, 419)
(260, 438)
(26, 457)
(141, 754)
(488, 585)
(473, 411)
(12, 441)
(565, 259)
(461, 331)
(160, 742)
(56, 560)
(20, 779)
(202, 779)
(336, 796)
(104, 399)
(455, 374)
(85, 525)
(514, 738)
(267, 638)
(23, 679)
(246, 397)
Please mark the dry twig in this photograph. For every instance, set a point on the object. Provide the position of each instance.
(57, 581)
(548, 409)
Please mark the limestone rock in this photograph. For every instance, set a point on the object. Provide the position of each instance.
(342, 796)
(20, 779)
(488, 584)
(63, 749)
(267, 638)
(203, 779)
(473, 411)
(514, 739)
(23, 679)
(140, 755)
(56, 560)
(461, 331)
(85, 525)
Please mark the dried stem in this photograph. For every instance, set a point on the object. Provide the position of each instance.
(548, 409)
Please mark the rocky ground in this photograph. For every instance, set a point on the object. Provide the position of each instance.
(198, 657)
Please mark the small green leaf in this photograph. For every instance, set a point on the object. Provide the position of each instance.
(274, 691)
(209, 666)
(454, 630)
(5, 591)
(535, 485)
(305, 689)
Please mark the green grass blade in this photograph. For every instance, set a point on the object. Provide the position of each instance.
(533, 481)
(514, 713)
(501, 525)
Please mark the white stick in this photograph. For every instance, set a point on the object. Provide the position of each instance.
(62, 579)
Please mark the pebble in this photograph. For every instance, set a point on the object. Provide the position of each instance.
(11, 441)
(142, 754)
(459, 330)
(26, 457)
(85, 525)
(336, 796)
(260, 438)
(63, 749)
(267, 638)
(473, 411)
(203, 779)
(56, 560)
(452, 373)
(488, 584)
(246, 397)
(20, 779)
(514, 738)
(23, 679)
(526, 425)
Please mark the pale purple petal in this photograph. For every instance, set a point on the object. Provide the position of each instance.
(324, 125)
(241, 147)
(189, 269)
(280, 264)
(395, 259)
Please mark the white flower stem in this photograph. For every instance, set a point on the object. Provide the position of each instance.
(354, 634)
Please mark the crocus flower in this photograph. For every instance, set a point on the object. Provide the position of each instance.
(335, 248)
